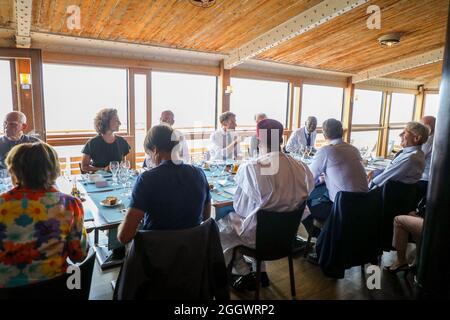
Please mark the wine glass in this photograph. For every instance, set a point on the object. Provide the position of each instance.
(114, 166)
(125, 164)
(4, 180)
(123, 176)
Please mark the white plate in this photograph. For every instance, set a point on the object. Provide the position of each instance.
(119, 202)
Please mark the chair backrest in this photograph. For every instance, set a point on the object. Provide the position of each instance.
(351, 235)
(174, 264)
(398, 198)
(275, 233)
(56, 288)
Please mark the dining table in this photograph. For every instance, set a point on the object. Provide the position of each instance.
(99, 217)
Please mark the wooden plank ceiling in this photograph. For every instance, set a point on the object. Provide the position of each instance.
(423, 74)
(175, 23)
(6, 13)
(346, 44)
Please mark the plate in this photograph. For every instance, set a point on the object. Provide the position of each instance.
(118, 203)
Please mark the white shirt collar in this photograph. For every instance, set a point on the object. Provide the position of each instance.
(411, 148)
(336, 141)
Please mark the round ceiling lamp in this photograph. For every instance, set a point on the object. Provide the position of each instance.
(389, 40)
(203, 3)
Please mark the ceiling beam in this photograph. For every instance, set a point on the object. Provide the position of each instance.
(307, 20)
(23, 23)
(400, 65)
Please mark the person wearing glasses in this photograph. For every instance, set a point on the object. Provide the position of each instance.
(14, 125)
(100, 150)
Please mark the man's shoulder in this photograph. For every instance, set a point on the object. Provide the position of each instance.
(30, 138)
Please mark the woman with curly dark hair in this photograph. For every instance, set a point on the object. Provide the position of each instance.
(99, 151)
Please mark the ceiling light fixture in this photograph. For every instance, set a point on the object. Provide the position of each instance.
(389, 40)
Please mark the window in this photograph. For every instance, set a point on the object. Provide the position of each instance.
(367, 107)
(191, 97)
(431, 104)
(365, 141)
(322, 102)
(74, 94)
(254, 96)
(140, 101)
(394, 140)
(402, 108)
(6, 101)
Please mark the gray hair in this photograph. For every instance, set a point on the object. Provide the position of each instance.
(418, 129)
(22, 117)
(332, 129)
(260, 115)
(226, 116)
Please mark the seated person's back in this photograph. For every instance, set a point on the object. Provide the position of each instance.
(168, 197)
(39, 226)
(343, 168)
(171, 195)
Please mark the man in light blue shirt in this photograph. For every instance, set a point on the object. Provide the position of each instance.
(409, 163)
(303, 137)
(340, 165)
(427, 148)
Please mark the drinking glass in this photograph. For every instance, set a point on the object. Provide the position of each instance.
(4, 180)
(125, 164)
(123, 176)
(114, 166)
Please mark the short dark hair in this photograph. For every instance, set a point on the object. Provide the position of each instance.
(225, 116)
(102, 119)
(332, 129)
(34, 165)
(160, 136)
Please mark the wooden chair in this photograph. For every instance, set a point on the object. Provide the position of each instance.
(56, 288)
(275, 236)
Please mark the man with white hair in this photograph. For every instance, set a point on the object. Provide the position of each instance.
(14, 124)
(409, 163)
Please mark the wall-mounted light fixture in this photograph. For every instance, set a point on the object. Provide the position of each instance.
(25, 81)
(229, 90)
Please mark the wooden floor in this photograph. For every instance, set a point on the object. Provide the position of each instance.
(309, 281)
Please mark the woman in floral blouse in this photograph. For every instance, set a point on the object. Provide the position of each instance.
(39, 226)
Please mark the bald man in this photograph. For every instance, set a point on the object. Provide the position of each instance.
(168, 117)
(14, 125)
(427, 148)
(303, 137)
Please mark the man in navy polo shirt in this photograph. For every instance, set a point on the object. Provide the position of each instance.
(168, 197)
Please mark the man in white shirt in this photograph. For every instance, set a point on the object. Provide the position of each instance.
(303, 137)
(181, 150)
(427, 148)
(225, 141)
(254, 144)
(273, 182)
(409, 163)
(340, 165)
